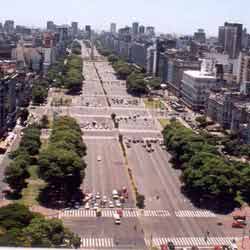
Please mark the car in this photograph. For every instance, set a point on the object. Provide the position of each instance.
(171, 245)
(111, 204)
(237, 224)
(98, 196)
(96, 206)
(105, 199)
(99, 158)
(77, 206)
(115, 194)
(87, 206)
(118, 203)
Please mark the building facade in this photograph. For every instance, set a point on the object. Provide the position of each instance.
(196, 86)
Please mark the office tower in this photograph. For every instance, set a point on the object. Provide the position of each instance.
(50, 26)
(113, 28)
(9, 26)
(141, 29)
(200, 36)
(221, 36)
(244, 41)
(74, 26)
(88, 31)
(230, 38)
(135, 29)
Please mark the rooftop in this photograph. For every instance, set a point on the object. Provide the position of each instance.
(200, 75)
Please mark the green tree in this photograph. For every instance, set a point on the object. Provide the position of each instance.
(50, 233)
(15, 175)
(44, 121)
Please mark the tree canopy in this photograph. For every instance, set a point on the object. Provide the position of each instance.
(22, 228)
(206, 174)
(61, 164)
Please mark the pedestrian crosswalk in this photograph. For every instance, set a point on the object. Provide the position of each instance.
(190, 241)
(126, 212)
(97, 243)
(194, 213)
(156, 213)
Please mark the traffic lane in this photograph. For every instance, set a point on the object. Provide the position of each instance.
(161, 193)
(158, 195)
(128, 232)
(140, 134)
(108, 174)
(182, 227)
(166, 192)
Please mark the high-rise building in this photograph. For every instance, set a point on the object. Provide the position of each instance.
(74, 26)
(9, 26)
(141, 29)
(135, 28)
(50, 26)
(150, 31)
(244, 41)
(243, 73)
(113, 28)
(88, 31)
(221, 36)
(230, 37)
(200, 36)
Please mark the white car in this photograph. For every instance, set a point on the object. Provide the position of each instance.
(87, 206)
(99, 158)
(96, 206)
(105, 199)
(118, 203)
(111, 204)
(98, 196)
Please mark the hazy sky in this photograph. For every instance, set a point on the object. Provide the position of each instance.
(168, 16)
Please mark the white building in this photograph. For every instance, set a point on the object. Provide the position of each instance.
(196, 85)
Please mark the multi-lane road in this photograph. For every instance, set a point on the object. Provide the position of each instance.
(168, 215)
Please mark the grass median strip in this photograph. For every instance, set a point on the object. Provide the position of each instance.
(153, 104)
(164, 122)
(31, 192)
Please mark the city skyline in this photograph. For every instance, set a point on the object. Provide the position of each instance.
(165, 15)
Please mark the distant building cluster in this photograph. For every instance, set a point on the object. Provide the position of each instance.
(208, 74)
(25, 54)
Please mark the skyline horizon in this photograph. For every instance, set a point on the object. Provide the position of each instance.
(166, 16)
(117, 27)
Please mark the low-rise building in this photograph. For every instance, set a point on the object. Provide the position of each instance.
(196, 86)
(230, 109)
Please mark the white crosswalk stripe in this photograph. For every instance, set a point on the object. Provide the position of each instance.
(97, 243)
(190, 241)
(127, 212)
(194, 213)
(156, 213)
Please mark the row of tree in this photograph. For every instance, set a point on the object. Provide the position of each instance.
(67, 74)
(208, 177)
(21, 228)
(136, 81)
(76, 48)
(61, 164)
(16, 172)
(40, 89)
